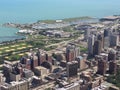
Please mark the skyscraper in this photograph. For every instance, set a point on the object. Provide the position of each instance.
(41, 57)
(114, 40)
(102, 67)
(112, 67)
(81, 62)
(106, 43)
(72, 68)
(112, 55)
(26, 61)
(91, 40)
(106, 32)
(97, 48)
(49, 57)
(101, 38)
(72, 52)
(87, 33)
(34, 62)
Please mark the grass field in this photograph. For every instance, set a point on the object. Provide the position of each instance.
(14, 48)
(13, 52)
(15, 57)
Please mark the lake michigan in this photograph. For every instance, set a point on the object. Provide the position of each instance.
(28, 11)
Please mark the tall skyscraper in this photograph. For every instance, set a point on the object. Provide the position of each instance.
(106, 43)
(81, 62)
(119, 34)
(77, 51)
(49, 57)
(112, 67)
(72, 68)
(41, 57)
(102, 67)
(112, 55)
(91, 40)
(34, 62)
(106, 32)
(28, 64)
(72, 52)
(87, 33)
(7, 69)
(26, 61)
(101, 38)
(114, 40)
(97, 48)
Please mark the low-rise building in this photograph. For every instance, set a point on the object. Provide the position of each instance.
(41, 71)
(21, 85)
(73, 86)
(27, 73)
(14, 77)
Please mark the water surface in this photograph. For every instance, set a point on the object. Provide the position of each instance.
(28, 11)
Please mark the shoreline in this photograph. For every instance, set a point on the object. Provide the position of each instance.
(50, 21)
(44, 23)
(57, 21)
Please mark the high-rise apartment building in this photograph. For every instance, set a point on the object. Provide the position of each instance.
(72, 52)
(91, 40)
(102, 67)
(97, 47)
(72, 68)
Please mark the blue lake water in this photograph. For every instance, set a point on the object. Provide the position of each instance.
(28, 11)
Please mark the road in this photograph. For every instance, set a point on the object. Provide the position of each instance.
(61, 45)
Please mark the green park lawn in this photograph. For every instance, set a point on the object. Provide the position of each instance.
(14, 48)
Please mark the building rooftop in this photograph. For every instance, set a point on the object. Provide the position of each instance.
(40, 68)
(80, 57)
(13, 83)
(73, 62)
(68, 87)
(102, 87)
